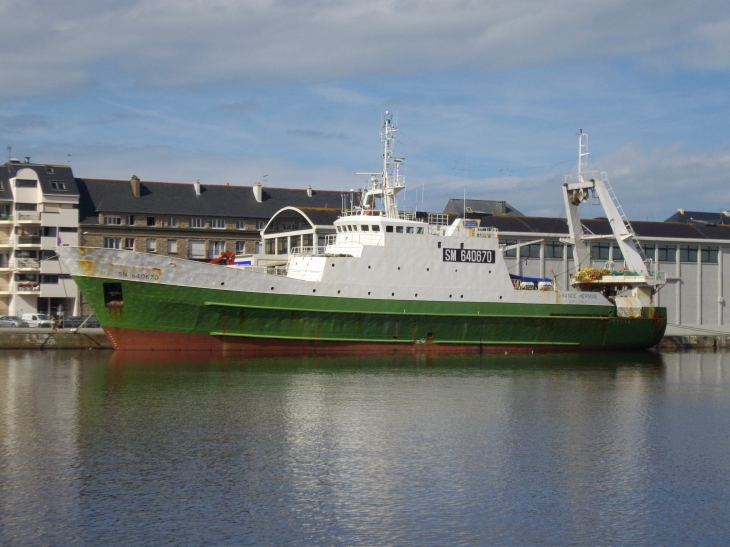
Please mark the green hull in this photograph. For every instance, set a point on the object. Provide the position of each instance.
(159, 316)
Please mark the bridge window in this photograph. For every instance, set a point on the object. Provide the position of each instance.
(399, 229)
(376, 228)
(364, 228)
(389, 229)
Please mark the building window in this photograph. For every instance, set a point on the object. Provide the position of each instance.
(49, 279)
(2, 188)
(649, 251)
(112, 220)
(23, 183)
(216, 248)
(270, 246)
(49, 231)
(617, 254)
(26, 206)
(68, 229)
(709, 255)
(112, 242)
(553, 249)
(217, 223)
(260, 224)
(151, 221)
(240, 225)
(240, 247)
(197, 223)
(48, 255)
(172, 246)
(58, 185)
(197, 248)
(281, 246)
(151, 245)
(259, 248)
(129, 243)
(172, 222)
(600, 251)
(667, 253)
(688, 253)
(130, 220)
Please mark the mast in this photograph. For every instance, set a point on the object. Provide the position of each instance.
(386, 184)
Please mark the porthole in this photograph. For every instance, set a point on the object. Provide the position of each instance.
(222, 283)
(439, 244)
(338, 292)
(399, 267)
(368, 267)
(462, 245)
(314, 290)
(449, 296)
(428, 269)
(462, 296)
(500, 298)
(392, 294)
(416, 295)
(369, 294)
(333, 265)
(272, 288)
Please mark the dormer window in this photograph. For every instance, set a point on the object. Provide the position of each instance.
(49, 170)
(58, 185)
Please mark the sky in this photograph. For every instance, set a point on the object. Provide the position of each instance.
(488, 95)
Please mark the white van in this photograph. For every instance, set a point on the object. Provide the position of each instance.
(37, 319)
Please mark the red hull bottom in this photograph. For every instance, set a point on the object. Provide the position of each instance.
(145, 340)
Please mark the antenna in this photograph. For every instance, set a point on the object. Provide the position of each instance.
(582, 151)
(10, 151)
(69, 159)
(264, 178)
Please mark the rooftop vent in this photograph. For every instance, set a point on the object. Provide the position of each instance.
(13, 160)
(196, 185)
(258, 192)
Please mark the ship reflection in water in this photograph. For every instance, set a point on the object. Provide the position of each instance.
(588, 449)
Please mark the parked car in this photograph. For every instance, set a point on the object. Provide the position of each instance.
(75, 322)
(37, 319)
(12, 321)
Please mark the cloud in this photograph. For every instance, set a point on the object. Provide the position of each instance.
(649, 183)
(159, 43)
(312, 134)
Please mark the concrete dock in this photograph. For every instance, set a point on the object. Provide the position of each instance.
(37, 338)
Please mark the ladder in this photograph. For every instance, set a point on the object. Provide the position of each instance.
(624, 218)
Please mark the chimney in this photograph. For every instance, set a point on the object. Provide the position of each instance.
(196, 185)
(228, 183)
(309, 190)
(258, 191)
(134, 181)
(680, 211)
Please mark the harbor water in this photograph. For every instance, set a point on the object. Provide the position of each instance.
(103, 448)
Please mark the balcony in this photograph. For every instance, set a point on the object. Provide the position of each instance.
(29, 286)
(28, 217)
(29, 241)
(6, 242)
(25, 264)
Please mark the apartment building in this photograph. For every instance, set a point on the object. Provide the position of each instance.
(191, 221)
(38, 211)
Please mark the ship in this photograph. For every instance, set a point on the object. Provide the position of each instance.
(385, 281)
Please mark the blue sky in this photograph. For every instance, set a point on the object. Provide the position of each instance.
(488, 95)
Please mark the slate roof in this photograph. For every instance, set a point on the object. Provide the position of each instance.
(167, 198)
(480, 207)
(600, 226)
(46, 174)
(700, 217)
